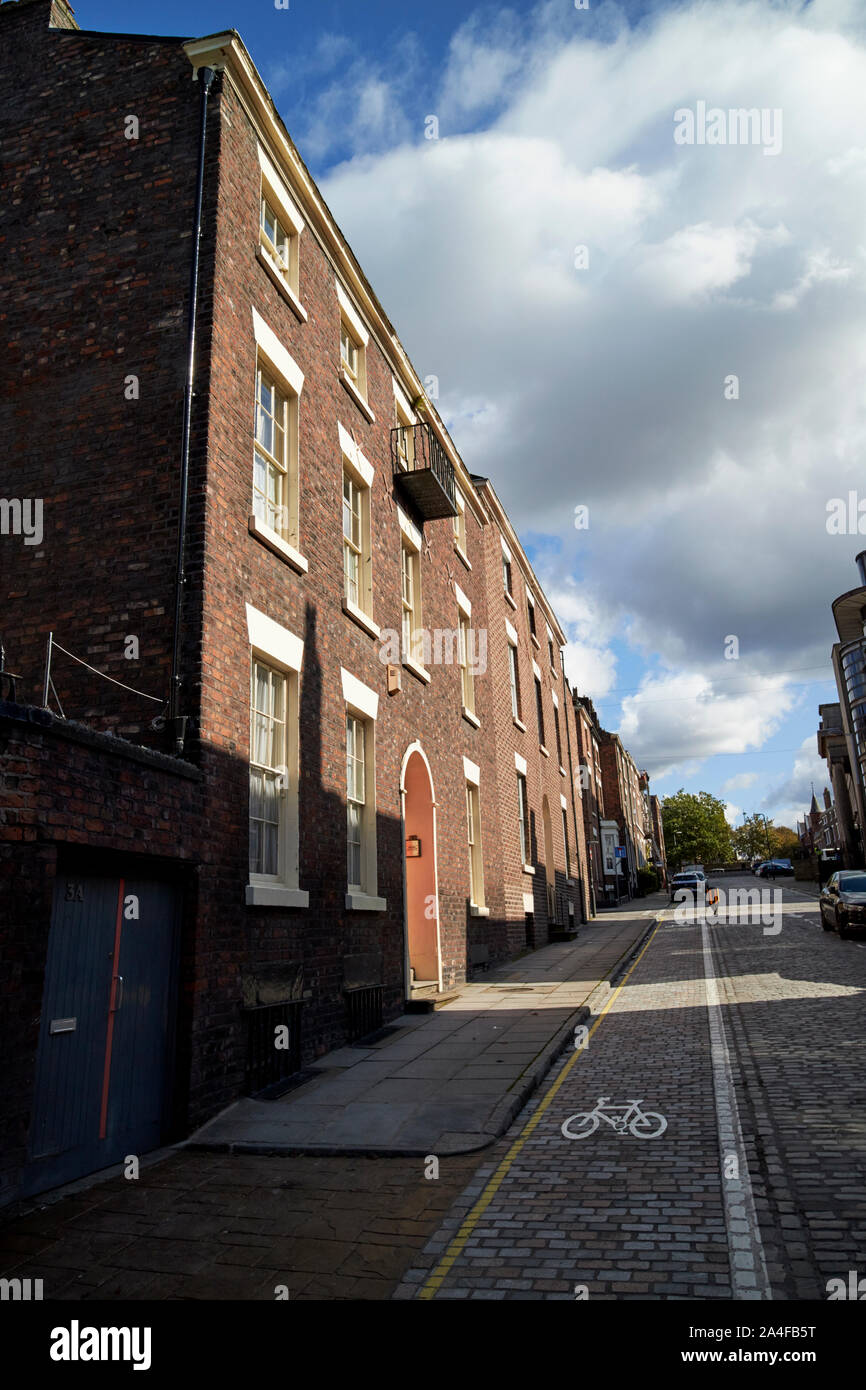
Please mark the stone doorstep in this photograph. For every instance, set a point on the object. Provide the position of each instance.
(427, 1001)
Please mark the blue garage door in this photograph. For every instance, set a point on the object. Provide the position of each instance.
(106, 1040)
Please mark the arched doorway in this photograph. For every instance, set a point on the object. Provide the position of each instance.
(549, 868)
(423, 961)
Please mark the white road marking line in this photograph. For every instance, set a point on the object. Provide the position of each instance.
(749, 1278)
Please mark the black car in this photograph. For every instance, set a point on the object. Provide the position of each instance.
(843, 902)
(775, 868)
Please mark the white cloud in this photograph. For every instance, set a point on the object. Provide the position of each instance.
(681, 716)
(605, 386)
(739, 781)
(788, 800)
(697, 260)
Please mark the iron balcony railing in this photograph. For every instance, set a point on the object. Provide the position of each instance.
(423, 470)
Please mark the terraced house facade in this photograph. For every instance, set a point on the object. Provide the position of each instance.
(285, 734)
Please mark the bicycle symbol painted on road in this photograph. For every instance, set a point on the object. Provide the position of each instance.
(644, 1124)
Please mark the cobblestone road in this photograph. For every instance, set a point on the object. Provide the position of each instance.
(748, 1038)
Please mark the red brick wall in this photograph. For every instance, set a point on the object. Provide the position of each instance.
(95, 232)
(238, 569)
(543, 774)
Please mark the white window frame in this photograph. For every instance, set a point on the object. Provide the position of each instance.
(278, 649)
(353, 328)
(459, 524)
(514, 677)
(523, 819)
(273, 190)
(362, 704)
(411, 542)
(274, 361)
(473, 834)
(566, 848)
(556, 729)
(360, 471)
(539, 707)
(467, 676)
(507, 572)
(532, 617)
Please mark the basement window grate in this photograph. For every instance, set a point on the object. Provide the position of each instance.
(364, 1011)
(272, 1056)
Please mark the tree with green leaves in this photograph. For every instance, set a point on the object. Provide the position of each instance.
(755, 835)
(750, 838)
(696, 829)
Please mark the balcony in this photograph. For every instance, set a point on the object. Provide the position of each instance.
(423, 473)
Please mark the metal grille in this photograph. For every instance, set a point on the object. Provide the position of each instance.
(416, 448)
(268, 1064)
(364, 1010)
(552, 915)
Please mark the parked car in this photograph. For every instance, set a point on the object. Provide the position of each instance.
(693, 883)
(775, 868)
(843, 902)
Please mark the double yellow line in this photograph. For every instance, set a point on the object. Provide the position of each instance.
(431, 1287)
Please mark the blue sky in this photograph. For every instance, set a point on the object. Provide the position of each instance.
(602, 385)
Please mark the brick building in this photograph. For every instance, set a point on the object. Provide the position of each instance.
(622, 820)
(289, 740)
(589, 733)
(658, 834)
(833, 747)
(624, 806)
(842, 736)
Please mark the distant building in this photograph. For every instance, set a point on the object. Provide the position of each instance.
(842, 736)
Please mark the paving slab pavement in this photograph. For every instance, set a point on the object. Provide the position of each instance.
(449, 1082)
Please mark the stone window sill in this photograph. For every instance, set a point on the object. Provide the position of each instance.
(361, 618)
(471, 718)
(282, 285)
(356, 395)
(275, 543)
(364, 902)
(419, 672)
(275, 895)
